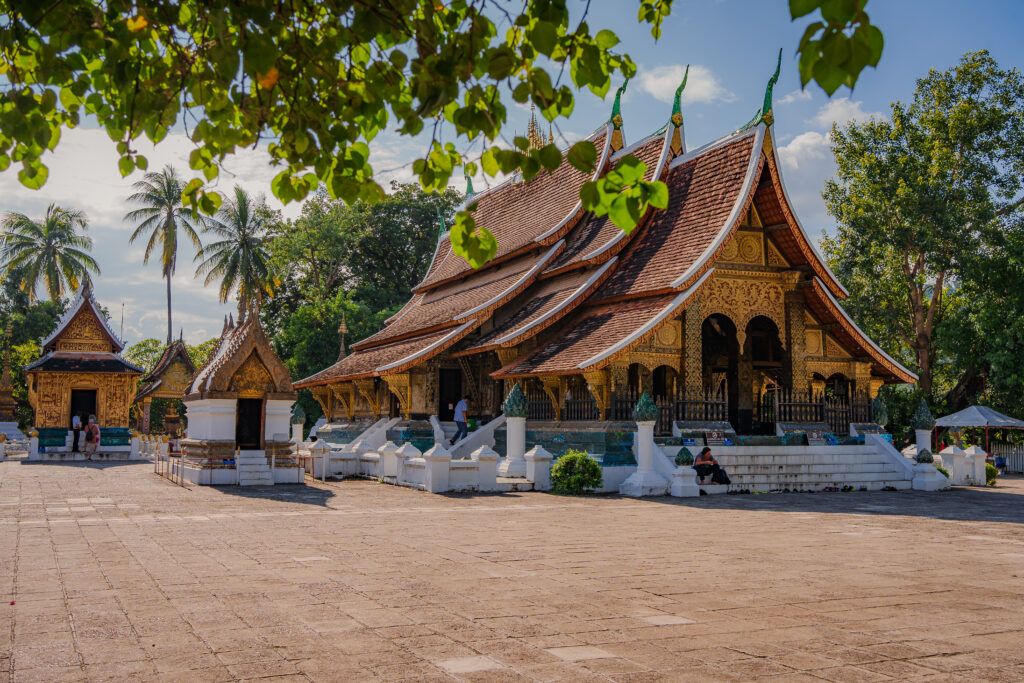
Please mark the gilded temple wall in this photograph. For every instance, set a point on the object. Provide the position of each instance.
(50, 395)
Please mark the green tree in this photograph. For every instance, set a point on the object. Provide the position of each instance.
(921, 196)
(51, 250)
(200, 353)
(161, 216)
(238, 257)
(322, 80)
(144, 353)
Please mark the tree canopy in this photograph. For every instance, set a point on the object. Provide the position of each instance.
(320, 81)
(929, 203)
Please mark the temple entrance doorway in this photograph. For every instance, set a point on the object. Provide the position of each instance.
(770, 367)
(83, 404)
(721, 361)
(449, 391)
(249, 424)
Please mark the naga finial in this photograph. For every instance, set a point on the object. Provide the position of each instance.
(441, 227)
(677, 107)
(616, 117)
(766, 108)
(469, 186)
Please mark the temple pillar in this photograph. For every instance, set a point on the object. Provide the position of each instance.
(862, 377)
(796, 341)
(745, 390)
(874, 386)
(345, 392)
(147, 404)
(693, 359)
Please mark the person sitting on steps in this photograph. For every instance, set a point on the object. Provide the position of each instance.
(462, 429)
(706, 465)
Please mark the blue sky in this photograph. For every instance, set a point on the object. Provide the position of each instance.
(731, 45)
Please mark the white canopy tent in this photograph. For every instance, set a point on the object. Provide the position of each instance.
(981, 417)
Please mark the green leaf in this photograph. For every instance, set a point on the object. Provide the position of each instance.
(125, 165)
(625, 212)
(658, 196)
(550, 157)
(33, 176)
(583, 156)
(799, 8)
(606, 39)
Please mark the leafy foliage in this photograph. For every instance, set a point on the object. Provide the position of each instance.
(623, 195)
(923, 418)
(323, 80)
(161, 215)
(991, 474)
(943, 471)
(51, 251)
(575, 473)
(834, 50)
(929, 203)
(238, 257)
(924, 456)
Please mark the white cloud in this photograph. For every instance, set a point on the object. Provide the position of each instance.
(842, 110)
(702, 86)
(804, 148)
(795, 96)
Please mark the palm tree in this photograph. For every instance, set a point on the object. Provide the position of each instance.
(161, 216)
(51, 250)
(239, 257)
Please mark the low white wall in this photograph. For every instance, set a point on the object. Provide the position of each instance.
(277, 420)
(212, 419)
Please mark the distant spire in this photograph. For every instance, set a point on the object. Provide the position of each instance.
(678, 143)
(342, 331)
(616, 117)
(181, 335)
(551, 135)
(532, 130)
(231, 322)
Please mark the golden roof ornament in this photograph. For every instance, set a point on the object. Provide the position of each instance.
(342, 331)
(532, 130)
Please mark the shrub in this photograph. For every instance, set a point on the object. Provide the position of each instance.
(575, 473)
(990, 474)
(924, 456)
(943, 471)
(923, 416)
(684, 458)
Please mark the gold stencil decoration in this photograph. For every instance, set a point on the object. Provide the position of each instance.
(744, 247)
(252, 379)
(813, 342)
(84, 333)
(833, 349)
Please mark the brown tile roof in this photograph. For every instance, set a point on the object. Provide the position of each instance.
(540, 307)
(585, 334)
(234, 348)
(794, 244)
(452, 303)
(704, 188)
(825, 307)
(597, 238)
(366, 363)
(522, 214)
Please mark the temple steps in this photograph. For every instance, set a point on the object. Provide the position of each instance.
(513, 484)
(253, 469)
(766, 469)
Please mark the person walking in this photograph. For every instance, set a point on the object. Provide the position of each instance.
(461, 408)
(92, 437)
(76, 429)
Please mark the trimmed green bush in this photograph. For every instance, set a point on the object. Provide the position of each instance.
(684, 458)
(943, 471)
(925, 456)
(575, 473)
(990, 474)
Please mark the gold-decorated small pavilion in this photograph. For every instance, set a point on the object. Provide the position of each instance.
(82, 373)
(169, 379)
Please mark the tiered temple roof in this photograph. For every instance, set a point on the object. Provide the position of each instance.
(570, 290)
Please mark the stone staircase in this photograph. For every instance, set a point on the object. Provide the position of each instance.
(809, 469)
(253, 469)
(513, 484)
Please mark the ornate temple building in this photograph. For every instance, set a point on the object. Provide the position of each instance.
(82, 373)
(719, 305)
(169, 379)
(238, 408)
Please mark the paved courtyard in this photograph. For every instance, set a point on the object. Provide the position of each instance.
(108, 572)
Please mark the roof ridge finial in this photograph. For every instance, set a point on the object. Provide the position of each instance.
(442, 227)
(766, 108)
(342, 331)
(551, 134)
(678, 144)
(469, 186)
(616, 118)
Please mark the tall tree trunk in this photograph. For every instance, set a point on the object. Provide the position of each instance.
(170, 334)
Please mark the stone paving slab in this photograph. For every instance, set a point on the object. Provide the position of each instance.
(108, 572)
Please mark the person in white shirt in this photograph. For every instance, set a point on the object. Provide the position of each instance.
(76, 427)
(460, 420)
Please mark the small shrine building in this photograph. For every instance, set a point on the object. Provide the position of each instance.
(238, 409)
(82, 373)
(169, 379)
(720, 305)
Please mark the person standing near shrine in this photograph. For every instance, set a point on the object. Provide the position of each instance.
(76, 429)
(92, 437)
(461, 408)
